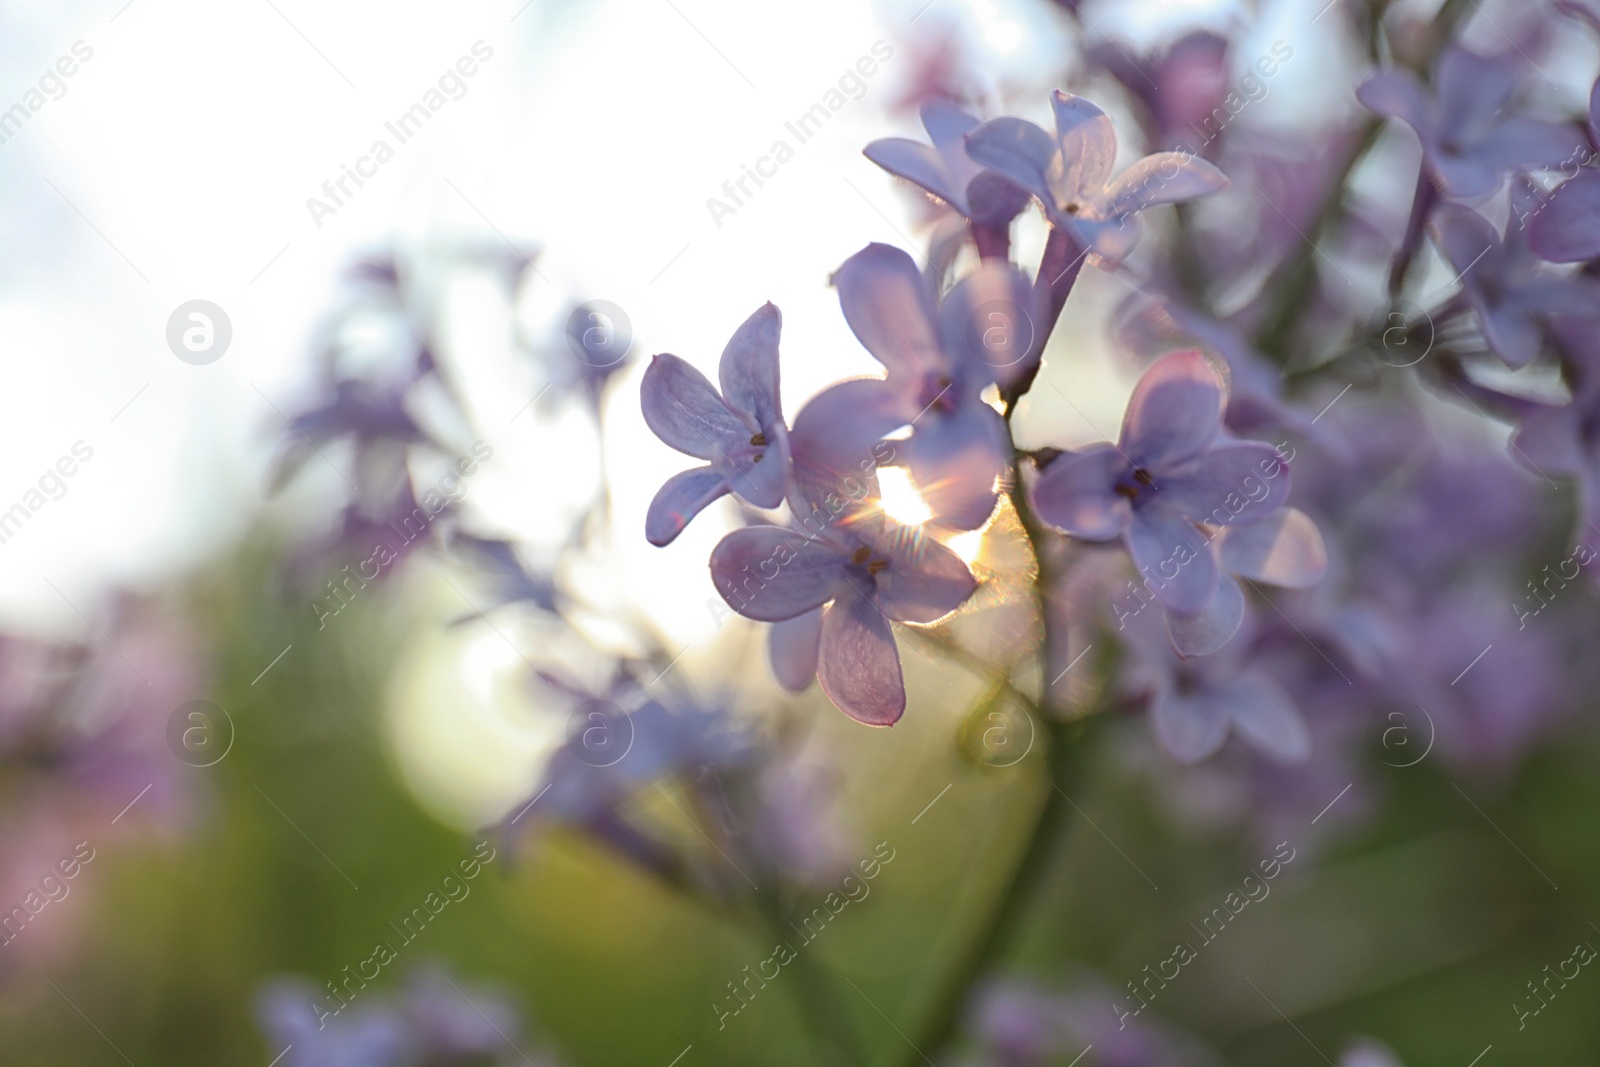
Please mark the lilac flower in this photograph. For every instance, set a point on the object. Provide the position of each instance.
(1285, 549)
(433, 1021)
(1183, 86)
(862, 574)
(1195, 703)
(946, 171)
(1511, 296)
(370, 1035)
(740, 432)
(1071, 174)
(1564, 439)
(1021, 1024)
(1170, 470)
(938, 362)
(1469, 138)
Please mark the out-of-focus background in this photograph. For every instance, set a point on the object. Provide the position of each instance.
(355, 742)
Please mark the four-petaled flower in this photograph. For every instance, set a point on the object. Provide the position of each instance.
(1502, 279)
(939, 360)
(1070, 173)
(1468, 139)
(1171, 469)
(863, 572)
(740, 433)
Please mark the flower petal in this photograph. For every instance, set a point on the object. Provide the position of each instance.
(1088, 148)
(1164, 178)
(1213, 626)
(1235, 483)
(1189, 726)
(1400, 94)
(684, 410)
(749, 368)
(1175, 410)
(1284, 549)
(837, 441)
(1512, 332)
(955, 458)
(924, 581)
(1077, 493)
(1267, 718)
(1526, 142)
(858, 665)
(920, 164)
(1020, 151)
(889, 309)
(989, 322)
(683, 497)
(1472, 88)
(1172, 556)
(1550, 441)
(792, 649)
(770, 574)
(1568, 229)
(1467, 240)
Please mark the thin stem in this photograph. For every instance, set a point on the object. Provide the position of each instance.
(1065, 755)
(1059, 268)
(1421, 206)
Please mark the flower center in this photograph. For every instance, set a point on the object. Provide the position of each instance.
(862, 557)
(1132, 485)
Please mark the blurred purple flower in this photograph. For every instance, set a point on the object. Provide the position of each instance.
(1469, 137)
(433, 1021)
(863, 574)
(1196, 702)
(1285, 549)
(1170, 470)
(1070, 174)
(735, 431)
(1018, 1023)
(1509, 292)
(1181, 85)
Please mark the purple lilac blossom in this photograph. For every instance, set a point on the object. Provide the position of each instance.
(863, 574)
(1508, 290)
(944, 169)
(1470, 136)
(740, 432)
(1170, 469)
(938, 361)
(1070, 174)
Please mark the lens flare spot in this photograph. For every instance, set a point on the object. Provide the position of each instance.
(901, 501)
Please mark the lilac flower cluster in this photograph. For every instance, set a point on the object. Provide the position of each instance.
(1304, 544)
(433, 1020)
